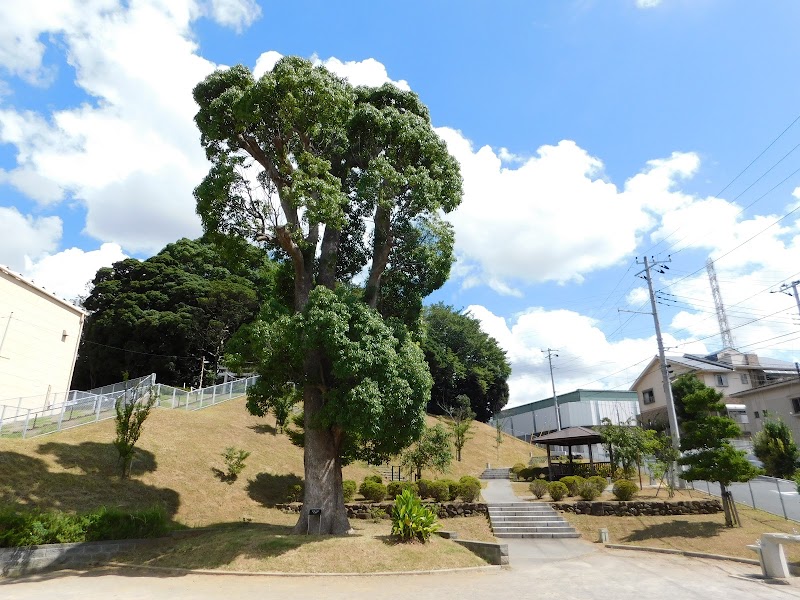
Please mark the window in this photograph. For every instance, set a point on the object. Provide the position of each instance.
(648, 397)
(722, 381)
(796, 405)
(745, 378)
(756, 415)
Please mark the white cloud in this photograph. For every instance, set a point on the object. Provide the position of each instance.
(24, 236)
(266, 62)
(69, 273)
(236, 14)
(647, 3)
(131, 154)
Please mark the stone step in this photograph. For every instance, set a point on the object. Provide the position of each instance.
(520, 511)
(560, 528)
(538, 535)
(520, 519)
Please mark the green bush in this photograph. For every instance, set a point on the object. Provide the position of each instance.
(557, 490)
(234, 462)
(529, 473)
(598, 482)
(395, 488)
(587, 490)
(517, 468)
(469, 488)
(349, 490)
(452, 488)
(295, 493)
(411, 520)
(423, 486)
(572, 482)
(538, 488)
(372, 491)
(439, 490)
(31, 528)
(587, 470)
(624, 489)
(376, 478)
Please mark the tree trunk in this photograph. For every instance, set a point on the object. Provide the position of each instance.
(323, 465)
(726, 505)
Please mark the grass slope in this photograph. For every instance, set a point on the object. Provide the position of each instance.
(177, 455)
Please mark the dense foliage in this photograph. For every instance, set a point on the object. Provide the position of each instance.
(776, 449)
(166, 314)
(131, 411)
(348, 185)
(463, 360)
(431, 451)
(411, 520)
(705, 435)
(624, 489)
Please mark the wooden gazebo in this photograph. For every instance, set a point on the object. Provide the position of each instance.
(572, 436)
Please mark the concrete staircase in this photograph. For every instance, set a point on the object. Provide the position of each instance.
(528, 520)
(498, 473)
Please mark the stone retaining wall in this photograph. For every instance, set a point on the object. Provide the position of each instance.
(636, 507)
(361, 510)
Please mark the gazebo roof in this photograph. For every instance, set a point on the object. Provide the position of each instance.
(571, 436)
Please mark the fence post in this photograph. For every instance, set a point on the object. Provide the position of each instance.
(783, 506)
(25, 427)
(214, 395)
(173, 397)
(2, 414)
(61, 416)
(230, 390)
(752, 498)
(97, 410)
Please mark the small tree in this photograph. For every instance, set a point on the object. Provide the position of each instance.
(432, 451)
(708, 454)
(774, 447)
(132, 408)
(665, 455)
(461, 418)
(498, 433)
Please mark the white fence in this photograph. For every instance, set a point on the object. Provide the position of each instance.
(81, 408)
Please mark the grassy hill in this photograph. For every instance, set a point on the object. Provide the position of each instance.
(76, 470)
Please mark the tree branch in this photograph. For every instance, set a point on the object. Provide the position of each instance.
(381, 247)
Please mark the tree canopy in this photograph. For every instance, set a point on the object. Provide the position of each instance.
(348, 185)
(776, 449)
(464, 360)
(705, 434)
(165, 314)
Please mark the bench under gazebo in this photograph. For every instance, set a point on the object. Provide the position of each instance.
(569, 437)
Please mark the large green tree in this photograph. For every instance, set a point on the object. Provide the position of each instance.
(464, 360)
(166, 314)
(348, 185)
(705, 434)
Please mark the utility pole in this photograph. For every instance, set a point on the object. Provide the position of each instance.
(671, 415)
(550, 356)
(792, 285)
(202, 370)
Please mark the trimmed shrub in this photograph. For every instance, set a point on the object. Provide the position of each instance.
(598, 482)
(349, 489)
(439, 490)
(587, 490)
(411, 520)
(469, 488)
(372, 491)
(395, 488)
(295, 493)
(423, 487)
(452, 487)
(572, 482)
(517, 468)
(624, 489)
(376, 478)
(557, 490)
(526, 474)
(538, 488)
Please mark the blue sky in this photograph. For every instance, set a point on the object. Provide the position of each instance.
(589, 133)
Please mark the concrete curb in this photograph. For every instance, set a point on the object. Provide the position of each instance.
(748, 561)
(282, 574)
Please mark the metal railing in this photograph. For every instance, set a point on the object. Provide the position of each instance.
(82, 408)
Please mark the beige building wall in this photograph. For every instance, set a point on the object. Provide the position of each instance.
(776, 401)
(39, 336)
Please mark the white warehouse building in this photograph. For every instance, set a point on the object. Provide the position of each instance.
(39, 337)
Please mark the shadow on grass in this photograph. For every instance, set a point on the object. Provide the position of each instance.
(27, 480)
(97, 458)
(223, 476)
(269, 489)
(685, 529)
(263, 428)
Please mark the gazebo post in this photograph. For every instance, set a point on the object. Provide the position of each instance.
(549, 465)
(571, 466)
(591, 461)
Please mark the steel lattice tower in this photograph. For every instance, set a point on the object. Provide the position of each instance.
(722, 318)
